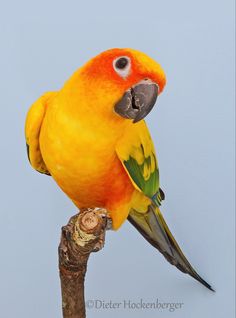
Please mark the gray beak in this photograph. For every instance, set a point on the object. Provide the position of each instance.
(138, 101)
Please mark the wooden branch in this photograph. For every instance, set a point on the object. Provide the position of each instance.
(84, 233)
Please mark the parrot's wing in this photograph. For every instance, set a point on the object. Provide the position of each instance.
(33, 124)
(137, 154)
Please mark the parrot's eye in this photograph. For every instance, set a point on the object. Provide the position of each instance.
(122, 66)
(121, 63)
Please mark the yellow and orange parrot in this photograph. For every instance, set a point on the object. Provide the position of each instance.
(90, 136)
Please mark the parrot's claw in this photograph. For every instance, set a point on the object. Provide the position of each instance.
(109, 224)
(100, 243)
(105, 215)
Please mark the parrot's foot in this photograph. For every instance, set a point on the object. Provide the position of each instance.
(108, 226)
(106, 215)
(100, 243)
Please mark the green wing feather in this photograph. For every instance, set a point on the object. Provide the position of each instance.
(140, 162)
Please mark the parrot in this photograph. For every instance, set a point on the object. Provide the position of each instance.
(91, 137)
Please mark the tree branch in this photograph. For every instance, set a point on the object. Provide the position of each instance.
(84, 233)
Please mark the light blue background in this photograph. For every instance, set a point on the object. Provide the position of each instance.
(42, 43)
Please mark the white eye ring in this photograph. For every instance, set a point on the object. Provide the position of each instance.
(122, 66)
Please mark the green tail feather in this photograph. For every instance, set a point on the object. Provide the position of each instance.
(155, 230)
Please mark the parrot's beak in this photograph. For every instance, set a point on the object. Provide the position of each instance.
(138, 101)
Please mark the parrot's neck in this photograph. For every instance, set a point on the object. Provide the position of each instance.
(92, 107)
(79, 117)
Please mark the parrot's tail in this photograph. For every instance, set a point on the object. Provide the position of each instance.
(155, 230)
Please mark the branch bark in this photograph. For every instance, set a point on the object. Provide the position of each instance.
(84, 233)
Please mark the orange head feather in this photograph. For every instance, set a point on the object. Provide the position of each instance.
(102, 85)
(142, 66)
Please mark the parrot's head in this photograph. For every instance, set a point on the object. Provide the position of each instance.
(121, 83)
